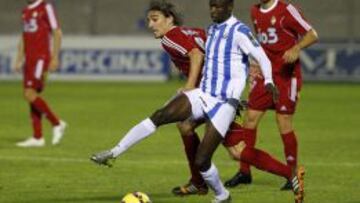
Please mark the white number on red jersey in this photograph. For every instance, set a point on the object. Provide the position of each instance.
(31, 26)
(269, 37)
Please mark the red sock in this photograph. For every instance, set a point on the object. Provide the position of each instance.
(263, 161)
(290, 148)
(250, 140)
(36, 122)
(191, 144)
(40, 105)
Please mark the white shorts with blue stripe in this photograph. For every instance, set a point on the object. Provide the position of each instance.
(220, 113)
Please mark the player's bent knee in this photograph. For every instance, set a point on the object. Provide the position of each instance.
(162, 116)
(30, 95)
(235, 151)
(285, 123)
(157, 117)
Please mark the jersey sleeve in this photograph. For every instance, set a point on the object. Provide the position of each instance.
(179, 42)
(250, 46)
(253, 18)
(295, 22)
(51, 16)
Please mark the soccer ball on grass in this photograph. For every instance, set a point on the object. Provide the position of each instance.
(136, 197)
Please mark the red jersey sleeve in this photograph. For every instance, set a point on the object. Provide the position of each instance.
(253, 17)
(179, 42)
(51, 17)
(295, 22)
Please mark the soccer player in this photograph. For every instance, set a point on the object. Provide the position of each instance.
(186, 49)
(39, 23)
(279, 26)
(215, 101)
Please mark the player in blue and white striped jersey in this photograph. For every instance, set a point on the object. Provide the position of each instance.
(228, 48)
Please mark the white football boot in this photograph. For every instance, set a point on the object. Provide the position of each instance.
(58, 132)
(32, 142)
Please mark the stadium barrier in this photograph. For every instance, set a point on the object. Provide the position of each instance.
(141, 58)
(99, 58)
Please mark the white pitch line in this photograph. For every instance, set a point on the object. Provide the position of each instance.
(155, 162)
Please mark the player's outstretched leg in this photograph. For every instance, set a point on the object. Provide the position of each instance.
(178, 109)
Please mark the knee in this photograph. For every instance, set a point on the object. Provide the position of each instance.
(236, 151)
(30, 95)
(202, 162)
(285, 123)
(160, 116)
(252, 120)
(185, 128)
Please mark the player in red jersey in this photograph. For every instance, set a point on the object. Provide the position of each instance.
(34, 51)
(283, 33)
(185, 47)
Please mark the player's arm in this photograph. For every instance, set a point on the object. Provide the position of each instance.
(293, 54)
(296, 23)
(196, 59)
(56, 46)
(250, 46)
(19, 56)
(56, 37)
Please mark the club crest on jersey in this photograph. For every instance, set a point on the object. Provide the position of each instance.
(273, 20)
(35, 14)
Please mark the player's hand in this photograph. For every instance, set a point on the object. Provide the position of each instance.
(271, 88)
(54, 64)
(254, 72)
(292, 54)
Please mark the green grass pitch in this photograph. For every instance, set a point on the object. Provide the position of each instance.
(327, 124)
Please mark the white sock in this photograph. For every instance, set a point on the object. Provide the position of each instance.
(136, 134)
(212, 179)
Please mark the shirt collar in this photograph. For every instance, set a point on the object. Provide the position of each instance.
(35, 4)
(270, 8)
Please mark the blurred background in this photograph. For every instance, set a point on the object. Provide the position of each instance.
(117, 25)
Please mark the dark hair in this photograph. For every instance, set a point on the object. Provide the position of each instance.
(167, 9)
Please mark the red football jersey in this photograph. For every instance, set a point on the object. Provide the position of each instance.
(278, 29)
(39, 20)
(181, 40)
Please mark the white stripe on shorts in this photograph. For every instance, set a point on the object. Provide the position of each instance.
(39, 69)
(293, 90)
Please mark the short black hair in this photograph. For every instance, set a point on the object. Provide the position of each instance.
(167, 9)
(229, 1)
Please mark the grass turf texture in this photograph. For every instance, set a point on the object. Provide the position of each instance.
(327, 124)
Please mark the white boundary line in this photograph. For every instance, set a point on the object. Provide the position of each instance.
(154, 162)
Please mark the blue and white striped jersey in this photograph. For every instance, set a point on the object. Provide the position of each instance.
(227, 51)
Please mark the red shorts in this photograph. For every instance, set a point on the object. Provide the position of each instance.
(261, 100)
(234, 135)
(35, 73)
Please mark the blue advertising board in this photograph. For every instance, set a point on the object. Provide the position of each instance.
(324, 62)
